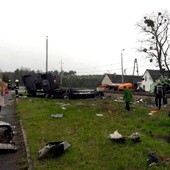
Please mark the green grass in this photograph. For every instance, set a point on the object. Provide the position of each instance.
(88, 134)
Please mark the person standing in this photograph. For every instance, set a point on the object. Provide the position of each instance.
(165, 87)
(127, 98)
(1, 100)
(158, 91)
(3, 86)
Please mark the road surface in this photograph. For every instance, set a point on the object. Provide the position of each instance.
(12, 161)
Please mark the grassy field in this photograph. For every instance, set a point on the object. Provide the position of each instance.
(88, 133)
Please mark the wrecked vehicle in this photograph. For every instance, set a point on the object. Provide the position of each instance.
(45, 85)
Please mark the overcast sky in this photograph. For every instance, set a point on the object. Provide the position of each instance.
(86, 36)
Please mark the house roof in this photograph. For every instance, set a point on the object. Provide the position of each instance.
(127, 78)
(155, 74)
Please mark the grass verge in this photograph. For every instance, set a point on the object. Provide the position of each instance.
(88, 133)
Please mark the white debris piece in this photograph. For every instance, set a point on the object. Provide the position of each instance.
(135, 137)
(115, 135)
(57, 115)
(99, 114)
(119, 99)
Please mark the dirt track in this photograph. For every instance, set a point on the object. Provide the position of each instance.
(12, 161)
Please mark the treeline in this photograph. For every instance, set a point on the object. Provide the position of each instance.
(64, 79)
(83, 81)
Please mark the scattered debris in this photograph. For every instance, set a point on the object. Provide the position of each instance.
(57, 115)
(139, 101)
(169, 113)
(30, 100)
(64, 104)
(99, 114)
(119, 99)
(23, 96)
(6, 136)
(154, 111)
(78, 104)
(135, 137)
(7, 147)
(64, 108)
(117, 137)
(53, 149)
(152, 159)
(6, 132)
(150, 114)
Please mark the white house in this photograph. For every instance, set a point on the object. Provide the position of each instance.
(149, 78)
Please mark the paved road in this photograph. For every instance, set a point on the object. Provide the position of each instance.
(10, 161)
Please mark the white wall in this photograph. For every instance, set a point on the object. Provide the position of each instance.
(147, 81)
(106, 80)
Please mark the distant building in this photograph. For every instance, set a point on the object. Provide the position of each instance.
(114, 79)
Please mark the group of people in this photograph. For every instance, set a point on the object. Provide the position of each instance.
(160, 96)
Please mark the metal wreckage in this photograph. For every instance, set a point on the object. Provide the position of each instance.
(44, 85)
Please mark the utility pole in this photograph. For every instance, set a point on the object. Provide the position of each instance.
(122, 66)
(61, 82)
(46, 54)
(135, 62)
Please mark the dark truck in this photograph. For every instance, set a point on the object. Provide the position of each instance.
(44, 85)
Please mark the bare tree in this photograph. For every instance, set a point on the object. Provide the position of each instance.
(155, 42)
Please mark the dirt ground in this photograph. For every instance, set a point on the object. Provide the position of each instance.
(17, 160)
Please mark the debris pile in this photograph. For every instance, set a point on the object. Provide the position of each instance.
(117, 137)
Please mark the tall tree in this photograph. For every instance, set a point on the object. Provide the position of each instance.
(155, 42)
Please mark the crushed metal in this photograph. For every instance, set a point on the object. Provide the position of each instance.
(53, 149)
(6, 136)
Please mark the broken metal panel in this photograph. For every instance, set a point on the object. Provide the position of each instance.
(2, 123)
(6, 136)
(6, 132)
(7, 147)
(53, 149)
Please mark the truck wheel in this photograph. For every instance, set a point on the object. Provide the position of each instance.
(65, 96)
(47, 95)
(99, 95)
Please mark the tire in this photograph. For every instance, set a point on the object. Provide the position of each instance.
(65, 96)
(99, 95)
